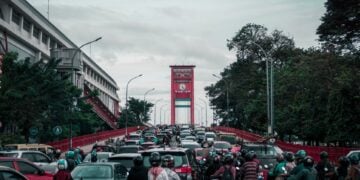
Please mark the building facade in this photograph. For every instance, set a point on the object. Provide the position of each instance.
(26, 31)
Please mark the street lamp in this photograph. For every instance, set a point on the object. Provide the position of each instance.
(126, 102)
(161, 110)
(227, 95)
(147, 92)
(269, 91)
(155, 110)
(73, 57)
(206, 121)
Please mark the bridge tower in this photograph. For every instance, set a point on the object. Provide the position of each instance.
(182, 94)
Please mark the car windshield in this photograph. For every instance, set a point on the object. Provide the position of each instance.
(222, 145)
(180, 158)
(100, 157)
(128, 150)
(125, 161)
(92, 171)
(210, 135)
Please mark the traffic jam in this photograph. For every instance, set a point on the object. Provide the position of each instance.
(181, 152)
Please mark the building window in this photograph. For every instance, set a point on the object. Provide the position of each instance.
(36, 32)
(1, 14)
(44, 38)
(26, 25)
(16, 17)
(52, 43)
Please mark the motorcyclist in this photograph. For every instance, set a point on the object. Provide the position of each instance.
(342, 170)
(57, 154)
(324, 168)
(63, 173)
(138, 171)
(308, 171)
(290, 164)
(93, 156)
(77, 157)
(354, 169)
(250, 169)
(227, 171)
(156, 172)
(70, 155)
(299, 158)
(168, 164)
(279, 171)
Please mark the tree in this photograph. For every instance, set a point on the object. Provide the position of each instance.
(36, 95)
(340, 26)
(135, 113)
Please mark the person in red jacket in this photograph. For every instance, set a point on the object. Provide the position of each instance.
(63, 173)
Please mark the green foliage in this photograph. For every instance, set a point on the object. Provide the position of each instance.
(316, 93)
(135, 113)
(340, 26)
(35, 94)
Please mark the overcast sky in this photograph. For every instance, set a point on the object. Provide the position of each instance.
(146, 36)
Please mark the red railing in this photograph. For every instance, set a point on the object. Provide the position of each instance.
(313, 151)
(64, 144)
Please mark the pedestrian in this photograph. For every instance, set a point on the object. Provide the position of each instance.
(156, 172)
(138, 171)
(63, 173)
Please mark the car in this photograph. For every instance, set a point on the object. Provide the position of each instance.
(200, 136)
(129, 149)
(229, 137)
(222, 146)
(132, 142)
(190, 145)
(210, 136)
(185, 160)
(265, 152)
(192, 138)
(30, 147)
(183, 135)
(99, 171)
(353, 153)
(10, 173)
(101, 156)
(36, 157)
(104, 148)
(25, 167)
(125, 159)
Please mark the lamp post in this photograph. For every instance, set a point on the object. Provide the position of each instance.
(227, 96)
(73, 57)
(269, 89)
(126, 102)
(206, 121)
(155, 110)
(73, 80)
(147, 92)
(160, 112)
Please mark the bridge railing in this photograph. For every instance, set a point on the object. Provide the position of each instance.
(84, 140)
(313, 151)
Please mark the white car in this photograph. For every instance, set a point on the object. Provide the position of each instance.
(210, 136)
(353, 153)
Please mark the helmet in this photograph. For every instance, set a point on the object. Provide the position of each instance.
(250, 156)
(168, 161)
(289, 157)
(301, 154)
(308, 161)
(62, 164)
(70, 155)
(243, 152)
(344, 161)
(155, 159)
(138, 161)
(324, 155)
(228, 159)
(58, 151)
(354, 160)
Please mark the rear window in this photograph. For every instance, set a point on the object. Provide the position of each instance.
(126, 161)
(9, 154)
(180, 158)
(128, 150)
(230, 139)
(191, 146)
(134, 137)
(222, 145)
(262, 151)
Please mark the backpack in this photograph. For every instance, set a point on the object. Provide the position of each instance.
(227, 175)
